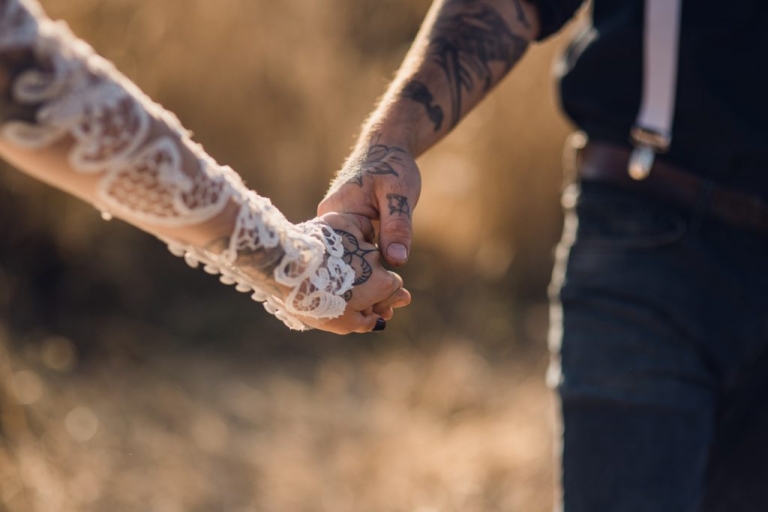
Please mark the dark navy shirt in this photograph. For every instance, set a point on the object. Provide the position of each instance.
(721, 118)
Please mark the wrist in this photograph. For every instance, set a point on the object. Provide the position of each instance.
(393, 125)
(391, 135)
(410, 116)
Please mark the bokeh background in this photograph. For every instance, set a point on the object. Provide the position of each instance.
(130, 382)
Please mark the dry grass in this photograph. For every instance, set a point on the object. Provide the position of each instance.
(398, 431)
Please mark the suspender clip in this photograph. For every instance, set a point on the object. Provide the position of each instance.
(648, 144)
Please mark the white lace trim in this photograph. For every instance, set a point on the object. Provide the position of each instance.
(317, 290)
(81, 95)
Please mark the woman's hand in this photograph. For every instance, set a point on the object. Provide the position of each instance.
(377, 292)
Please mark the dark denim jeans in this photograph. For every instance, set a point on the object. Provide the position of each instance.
(660, 357)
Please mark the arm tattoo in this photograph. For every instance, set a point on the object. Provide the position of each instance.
(521, 17)
(466, 40)
(354, 256)
(379, 159)
(398, 204)
(419, 92)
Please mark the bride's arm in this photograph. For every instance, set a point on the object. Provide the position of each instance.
(69, 118)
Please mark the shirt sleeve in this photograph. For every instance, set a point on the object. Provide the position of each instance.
(553, 14)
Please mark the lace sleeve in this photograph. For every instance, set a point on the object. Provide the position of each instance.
(142, 178)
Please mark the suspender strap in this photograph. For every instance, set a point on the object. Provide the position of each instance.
(652, 132)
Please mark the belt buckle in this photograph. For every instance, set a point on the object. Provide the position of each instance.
(648, 143)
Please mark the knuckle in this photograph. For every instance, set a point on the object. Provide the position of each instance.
(364, 223)
(381, 287)
(387, 284)
(395, 280)
(408, 186)
(327, 205)
(397, 228)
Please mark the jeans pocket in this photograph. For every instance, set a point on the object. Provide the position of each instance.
(610, 218)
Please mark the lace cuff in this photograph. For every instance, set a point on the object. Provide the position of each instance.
(316, 285)
(143, 179)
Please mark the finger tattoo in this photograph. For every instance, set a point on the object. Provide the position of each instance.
(398, 205)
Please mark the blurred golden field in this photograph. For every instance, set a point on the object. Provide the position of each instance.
(129, 382)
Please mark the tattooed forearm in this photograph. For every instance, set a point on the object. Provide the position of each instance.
(466, 40)
(378, 159)
(398, 205)
(521, 16)
(354, 256)
(419, 92)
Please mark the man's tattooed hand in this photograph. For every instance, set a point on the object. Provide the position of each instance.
(398, 205)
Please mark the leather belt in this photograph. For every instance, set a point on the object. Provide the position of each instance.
(607, 163)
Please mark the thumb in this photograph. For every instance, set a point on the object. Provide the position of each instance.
(396, 229)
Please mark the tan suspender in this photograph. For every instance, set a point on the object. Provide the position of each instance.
(652, 132)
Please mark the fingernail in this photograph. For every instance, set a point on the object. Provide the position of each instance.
(381, 324)
(397, 252)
